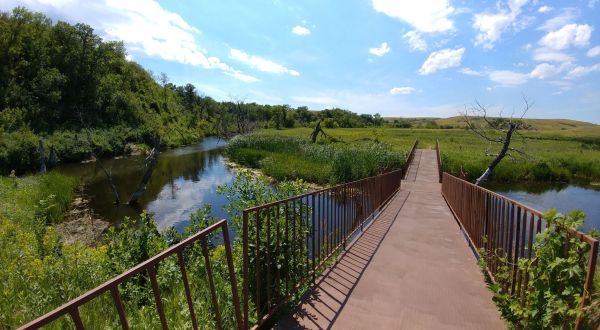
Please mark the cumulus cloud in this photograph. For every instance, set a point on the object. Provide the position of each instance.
(415, 41)
(491, 26)
(544, 9)
(144, 26)
(260, 63)
(567, 36)
(402, 90)
(300, 30)
(442, 59)
(427, 16)
(580, 71)
(543, 71)
(508, 78)
(593, 52)
(566, 16)
(470, 72)
(381, 50)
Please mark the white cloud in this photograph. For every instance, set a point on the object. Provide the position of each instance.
(381, 50)
(567, 16)
(415, 40)
(582, 71)
(402, 90)
(592, 3)
(300, 30)
(427, 16)
(470, 72)
(442, 59)
(567, 36)
(507, 78)
(544, 9)
(260, 63)
(491, 26)
(593, 52)
(550, 55)
(146, 29)
(543, 71)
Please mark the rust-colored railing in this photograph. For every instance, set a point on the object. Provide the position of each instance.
(439, 160)
(150, 267)
(504, 228)
(286, 243)
(409, 158)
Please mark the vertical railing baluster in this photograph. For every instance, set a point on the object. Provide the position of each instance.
(186, 286)
(157, 300)
(116, 296)
(211, 284)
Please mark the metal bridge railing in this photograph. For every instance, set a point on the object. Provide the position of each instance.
(287, 243)
(505, 228)
(149, 267)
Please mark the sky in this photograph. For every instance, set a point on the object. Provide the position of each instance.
(397, 58)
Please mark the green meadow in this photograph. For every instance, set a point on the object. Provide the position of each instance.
(553, 152)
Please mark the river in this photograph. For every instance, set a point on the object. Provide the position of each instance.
(564, 197)
(183, 181)
(187, 178)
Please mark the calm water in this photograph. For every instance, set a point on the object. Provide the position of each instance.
(184, 180)
(563, 197)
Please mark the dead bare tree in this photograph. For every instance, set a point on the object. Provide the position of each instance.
(496, 131)
(98, 161)
(151, 162)
(41, 156)
(318, 130)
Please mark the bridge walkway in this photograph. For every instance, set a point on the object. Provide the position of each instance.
(411, 269)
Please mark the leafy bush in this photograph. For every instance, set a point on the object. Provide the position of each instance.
(556, 278)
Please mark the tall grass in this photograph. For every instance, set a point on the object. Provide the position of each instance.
(552, 155)
(285, 157)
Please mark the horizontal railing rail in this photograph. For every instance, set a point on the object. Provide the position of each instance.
(72, 308)
(286, 243)
(505, 228)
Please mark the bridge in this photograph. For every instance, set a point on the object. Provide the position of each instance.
(411, 268)
(398, 250)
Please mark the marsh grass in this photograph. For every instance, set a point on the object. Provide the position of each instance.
(326, 162)
(554, 155)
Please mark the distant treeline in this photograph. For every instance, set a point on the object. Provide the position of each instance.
(62, 83)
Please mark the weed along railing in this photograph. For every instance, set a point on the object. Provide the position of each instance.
(288, 242)
(504, 228)
(150, 267)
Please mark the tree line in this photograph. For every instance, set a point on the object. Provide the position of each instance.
(62, 83)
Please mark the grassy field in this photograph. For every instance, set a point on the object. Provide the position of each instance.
(556, 152)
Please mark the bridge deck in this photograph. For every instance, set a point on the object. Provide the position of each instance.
(411, 269)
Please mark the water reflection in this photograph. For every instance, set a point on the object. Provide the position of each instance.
(183, 180)
(563, 197)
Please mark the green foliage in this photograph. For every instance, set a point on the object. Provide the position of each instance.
(327, 162)
(556, 278)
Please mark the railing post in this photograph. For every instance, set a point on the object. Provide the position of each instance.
(245, 271)
(313, 230)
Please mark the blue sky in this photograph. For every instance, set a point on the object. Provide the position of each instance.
(396, 58)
